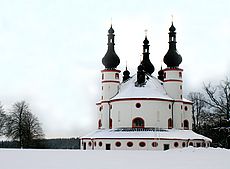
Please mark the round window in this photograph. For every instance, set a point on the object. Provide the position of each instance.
(176, 144)
(100, 143)
(183, 144)
(90, 144)
(138, 105)
(142, 144)
(130, 144)
(154, 144)
(118, 144)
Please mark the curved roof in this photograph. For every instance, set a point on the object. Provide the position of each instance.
(151, 89)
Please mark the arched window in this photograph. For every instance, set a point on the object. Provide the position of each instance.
(138, 123)
(170, 123)
(99, 124)
(110, 123)
(186, 125)
(180, 74)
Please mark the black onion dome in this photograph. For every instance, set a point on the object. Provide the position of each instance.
(172, 57)
(126, 74)
(161, 74)
(172, 28)
(146, 63)
(146, 41)
(111, 30)
(111, 60)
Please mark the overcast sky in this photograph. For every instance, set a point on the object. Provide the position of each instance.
(51, 51)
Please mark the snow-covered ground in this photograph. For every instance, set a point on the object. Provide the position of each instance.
(187, 158)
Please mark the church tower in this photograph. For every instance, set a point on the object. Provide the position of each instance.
(173, 78)
(110, 82)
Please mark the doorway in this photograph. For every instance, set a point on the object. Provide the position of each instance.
(166, 146)
(108, 146)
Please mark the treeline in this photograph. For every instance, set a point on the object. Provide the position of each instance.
(58, 143)
(20, 125)
(211, 112)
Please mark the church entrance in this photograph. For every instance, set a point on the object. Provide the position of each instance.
(108, 146)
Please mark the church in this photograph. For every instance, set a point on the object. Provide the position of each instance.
(140, 111)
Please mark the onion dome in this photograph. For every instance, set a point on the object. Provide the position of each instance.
(110, 60)
(172, 58)
(148, 66)
(161, 74)
(126, 74)
(140, 75)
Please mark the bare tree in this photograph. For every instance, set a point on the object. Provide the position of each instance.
(219, 97)
(22, 125)
(2, 119)
(198, 100)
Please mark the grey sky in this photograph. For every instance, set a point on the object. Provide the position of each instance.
(51, 51)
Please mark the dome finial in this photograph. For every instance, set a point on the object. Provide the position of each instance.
(126, 73)
(172, 18)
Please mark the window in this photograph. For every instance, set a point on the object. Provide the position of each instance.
(183, 144)
(191, 144)
(130, 144)
(89, 144)
(101, 87)
(84, 146)
(100, 143)
(110, 123)
(181, 97)
(186, 125)
(185, 108)
(107, 146)
(180, 74)
(176, 144)
(170, 123)
(101, 97)
(198, 144)
(181, 87)
(166, 146)
(138, 123)
(164, 75)
(181, 107)
(142, 144)
(169, 106)
(116, 75)
(102, 77)
(138, 105)
(99, 124)
(95, 143)
(118, 144)
(154, 144)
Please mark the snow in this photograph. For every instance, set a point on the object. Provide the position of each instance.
(152, 89)
(166, 134)
(187, 158)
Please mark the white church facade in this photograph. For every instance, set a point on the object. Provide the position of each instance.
(143, 112)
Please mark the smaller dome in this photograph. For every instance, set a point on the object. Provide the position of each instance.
(111, 30)
(172, 28)
(140, 67)
(146, 42)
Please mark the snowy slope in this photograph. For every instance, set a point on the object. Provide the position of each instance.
(188, 158)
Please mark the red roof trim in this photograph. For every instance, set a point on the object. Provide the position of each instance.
(110, 81)
(174, 69)
(173, 80)
(109, 70)
(129, 99)
(157, 138)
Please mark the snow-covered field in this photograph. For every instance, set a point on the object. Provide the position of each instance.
(187, 158)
